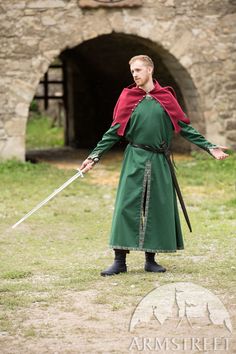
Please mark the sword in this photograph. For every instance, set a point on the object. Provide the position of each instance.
(37, 207)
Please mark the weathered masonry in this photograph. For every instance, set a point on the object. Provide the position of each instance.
(191, 42)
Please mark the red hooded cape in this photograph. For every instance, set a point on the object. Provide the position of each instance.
(132, 95)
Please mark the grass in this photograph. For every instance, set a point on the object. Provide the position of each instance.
(41, 133)
(63, 246)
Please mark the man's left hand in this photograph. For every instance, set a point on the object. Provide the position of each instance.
(218, 153)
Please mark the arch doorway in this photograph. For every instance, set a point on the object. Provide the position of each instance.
(96, 71)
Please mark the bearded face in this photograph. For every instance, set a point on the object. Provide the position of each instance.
(141, 72)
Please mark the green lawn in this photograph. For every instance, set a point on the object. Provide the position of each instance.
(63, 246)
(41, 133)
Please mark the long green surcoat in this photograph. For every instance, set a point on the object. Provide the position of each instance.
(146, 216)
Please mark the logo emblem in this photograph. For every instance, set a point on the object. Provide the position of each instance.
(180, 316)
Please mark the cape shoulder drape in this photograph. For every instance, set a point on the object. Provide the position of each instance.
(132, 95)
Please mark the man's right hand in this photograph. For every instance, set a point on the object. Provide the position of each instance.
(87, 165)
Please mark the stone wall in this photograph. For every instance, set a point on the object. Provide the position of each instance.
(196, 40)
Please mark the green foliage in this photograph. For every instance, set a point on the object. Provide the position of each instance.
(16, 274)
(231, 203)
(18, 167)
(34, 106)
(41, 133)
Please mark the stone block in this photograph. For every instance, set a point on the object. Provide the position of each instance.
(2, 134)
(48, 21)
(13, 147)
(15, 127)
(22, 109)
(39, 64)
(2, 144)
(13, 4)
(23, 89)
(183, 42)
(117, 21)
(186, 60)
(121, 3)
(30, 26)
(92, 25)
(231, 135)
(21, 50)
(231, 86)
(51, 54)
(18, 4)
(230, 124)
(49, 43)
(32, 42)
(30, 12)
(45, 4)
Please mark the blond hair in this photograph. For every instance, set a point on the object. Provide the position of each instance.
(144, 58)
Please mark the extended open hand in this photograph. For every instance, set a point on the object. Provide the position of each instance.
(218, 153)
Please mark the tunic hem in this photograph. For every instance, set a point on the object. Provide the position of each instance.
(146, 249)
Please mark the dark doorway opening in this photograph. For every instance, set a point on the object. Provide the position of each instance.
(95, 72)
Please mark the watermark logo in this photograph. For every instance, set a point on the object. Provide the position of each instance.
(180, 317)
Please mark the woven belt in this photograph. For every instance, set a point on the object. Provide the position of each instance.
(164, 149)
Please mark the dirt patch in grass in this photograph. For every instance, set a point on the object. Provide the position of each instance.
(79, 323)
(76, 324)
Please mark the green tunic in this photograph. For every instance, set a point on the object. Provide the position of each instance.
(146, 215)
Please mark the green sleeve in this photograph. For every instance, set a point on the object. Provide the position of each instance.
(191, 134)
(108, 140)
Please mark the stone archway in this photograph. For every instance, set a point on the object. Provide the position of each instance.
(96, 72)
(194, 43)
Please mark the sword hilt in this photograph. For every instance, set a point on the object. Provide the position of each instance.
(81, 172)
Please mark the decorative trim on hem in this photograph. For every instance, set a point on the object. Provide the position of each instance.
(145, 201)
(146, 249)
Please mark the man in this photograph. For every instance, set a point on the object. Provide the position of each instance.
(146, 216)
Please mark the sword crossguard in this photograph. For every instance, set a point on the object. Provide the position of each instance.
(81, 173)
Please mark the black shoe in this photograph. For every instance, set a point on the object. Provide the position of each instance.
(154, 267)
(115, 268)
(119, 265)
(151, 265)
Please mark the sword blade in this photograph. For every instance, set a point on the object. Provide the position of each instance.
(38, 206)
